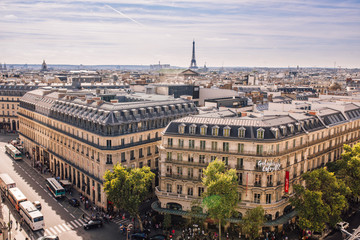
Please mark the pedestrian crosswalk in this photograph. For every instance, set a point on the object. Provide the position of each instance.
(60, 228)
(122, 221)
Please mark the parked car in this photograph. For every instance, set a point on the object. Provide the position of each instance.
(93, 224)
(342, 225)
(158, 237)
(74, 202)
(37, 204)
(49, 237)
(138, 236)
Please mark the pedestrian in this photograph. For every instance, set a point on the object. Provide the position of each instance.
(83, 216)
(16, 224)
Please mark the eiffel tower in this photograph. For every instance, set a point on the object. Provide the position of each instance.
(193, 61)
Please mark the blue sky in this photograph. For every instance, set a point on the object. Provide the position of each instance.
(271, 33)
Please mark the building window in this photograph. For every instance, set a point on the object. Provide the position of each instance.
(190, 158)
(226, 132)
(156, 149)
(257, 182)
(239, 164)
(201, 158)
(179, 171)
(168, 188)
(240, 147)
(182, 129)
(190, 172)
(203, 130)
(141, 153)
(132, 155)
(214, 146)
(141, 164)
(202, 145)
(169, 170)
(149, 151)
(268, 198)
(239, 175)
(179, 157)
(270, 180)
(257, 198)
(170, 142)
(241, 132)
(179, 189)
(108, 143)
(200, 191)
(123, 157)
(215, 131)
(225, 146)
(259, 149)
(181, 143)
(108, 159)
(169, 156)
(226, 160)
(156, 162)
(192, 129)
(260, 133)
(98, 192)
(192, 144)
(294, 143)
(190, 191)
(213, 158)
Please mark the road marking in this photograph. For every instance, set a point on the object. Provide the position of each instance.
(73, 225)
(60, 204)
(77, 223)
(57, 229)
(72, 215)
(61, 227)
(82, 221)
(66, 210)
(69, 225)
(53, 232)
(42, 187)
(66, 227)
(47, 232)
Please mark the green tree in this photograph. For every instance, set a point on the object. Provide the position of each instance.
(252, 222)
(348, 168)
(321, 201)
(127, 188)
(221, 195)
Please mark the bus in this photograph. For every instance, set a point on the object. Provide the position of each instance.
(32, 216)
(13, 152)
(16, 197)
(55, 187)
(6, 183)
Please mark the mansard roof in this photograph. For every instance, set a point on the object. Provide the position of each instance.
(274, 126)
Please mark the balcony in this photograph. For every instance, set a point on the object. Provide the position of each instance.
(256, 184)
(183, 177)
(239, 167)
(269, 184)
(186, 162)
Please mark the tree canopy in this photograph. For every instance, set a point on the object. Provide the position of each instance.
(221, 195)
(127, 188)
(348, 168)
(252, 221)
(321, 201)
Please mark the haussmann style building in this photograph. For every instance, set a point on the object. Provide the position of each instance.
(269, 153)
(79, 134)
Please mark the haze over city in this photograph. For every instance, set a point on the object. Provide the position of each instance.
(227, 33)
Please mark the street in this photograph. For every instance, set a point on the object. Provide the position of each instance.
(60, 218)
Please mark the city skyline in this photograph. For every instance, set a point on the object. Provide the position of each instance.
(228, 33)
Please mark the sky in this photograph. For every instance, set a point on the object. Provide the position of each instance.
(244, 33)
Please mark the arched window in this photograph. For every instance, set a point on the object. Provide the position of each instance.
(241, 132)
(260, 133)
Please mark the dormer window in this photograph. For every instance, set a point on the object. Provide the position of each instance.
(182, 128)
(275, 131)
(291, 126)
(215, 131)
(241, 132)
(203, 130)
(283, 129)
(226, 131)
(260, 133)
(298, 126)
(192, 129)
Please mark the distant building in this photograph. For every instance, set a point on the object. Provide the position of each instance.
(229, 102)
(43, 66)
(193, 60)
